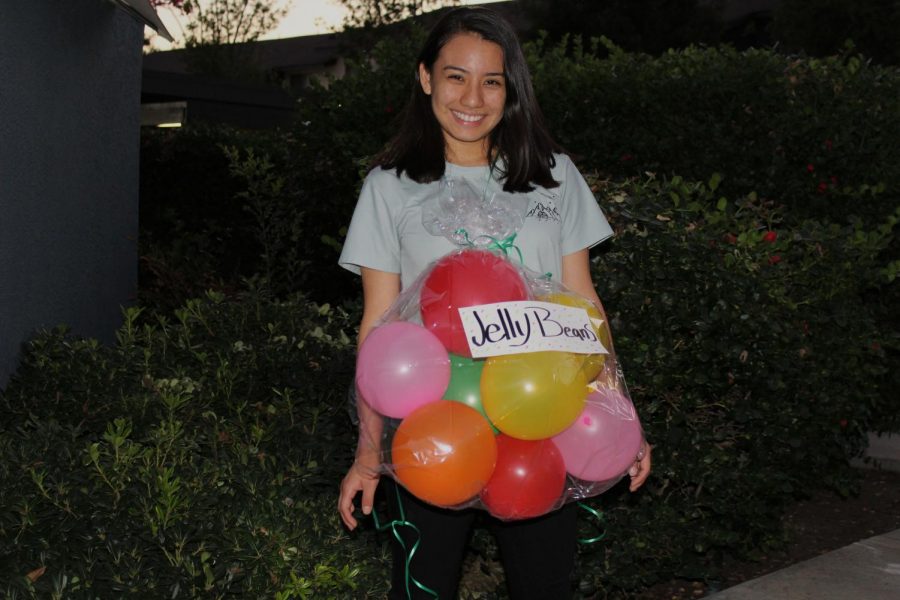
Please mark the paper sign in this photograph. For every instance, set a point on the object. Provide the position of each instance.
(528, 326)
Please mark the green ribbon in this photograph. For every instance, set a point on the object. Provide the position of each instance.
(599, 516)
(501, 245)
(394, 527)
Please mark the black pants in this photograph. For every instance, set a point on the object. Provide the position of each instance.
(538, 555)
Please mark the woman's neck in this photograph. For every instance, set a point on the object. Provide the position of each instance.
(482, 162)
(476, 156)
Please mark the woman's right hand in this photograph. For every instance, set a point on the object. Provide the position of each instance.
(362, 477)
(380, 289)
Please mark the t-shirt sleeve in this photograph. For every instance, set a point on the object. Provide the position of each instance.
(372, 238)
(583, 222)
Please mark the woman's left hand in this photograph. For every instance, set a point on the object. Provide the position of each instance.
(640, 470)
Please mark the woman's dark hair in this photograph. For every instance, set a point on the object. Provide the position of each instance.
(520, 142)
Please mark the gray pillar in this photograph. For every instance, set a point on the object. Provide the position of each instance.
(70, 73)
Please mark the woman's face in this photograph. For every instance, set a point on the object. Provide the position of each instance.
(468, 92)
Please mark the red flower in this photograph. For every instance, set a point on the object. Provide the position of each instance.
(843, 423)
(626, 157)
(730, 238)
(774, 259)
(388, 109)
(770, 237)
(810, 168)
(822, 187)
(833, 180)
(828, 144)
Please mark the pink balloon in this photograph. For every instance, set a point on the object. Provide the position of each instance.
(400, 367)
(604, 440)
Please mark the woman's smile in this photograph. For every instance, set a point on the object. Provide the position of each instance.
(467, 119)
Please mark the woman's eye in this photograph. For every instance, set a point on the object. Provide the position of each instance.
(455, 77)
(493, 82)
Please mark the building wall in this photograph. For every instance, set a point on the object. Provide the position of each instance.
(70, 73)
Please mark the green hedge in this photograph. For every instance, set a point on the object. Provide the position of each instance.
(203, 188)
(212, 199)
(198, 457)
(804, 133)
(755, 356)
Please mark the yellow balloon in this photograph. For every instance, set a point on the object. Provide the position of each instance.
(535, 395)
(593, 363)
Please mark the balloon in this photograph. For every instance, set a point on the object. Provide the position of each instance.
(535, 395)
(465, 382)
(444, 453)
(462, 279)
(604, 440)
(527, 481)
(593, 363)
(400, 367)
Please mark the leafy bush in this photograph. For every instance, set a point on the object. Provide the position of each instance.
(197, 457)
(192, 232)
(216, 200)
(755, 356)
(275, 221)
(806, 133)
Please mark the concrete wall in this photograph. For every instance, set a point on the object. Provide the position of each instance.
(70, 73)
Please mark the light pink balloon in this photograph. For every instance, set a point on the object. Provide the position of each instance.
(604, 440)
(400, 367)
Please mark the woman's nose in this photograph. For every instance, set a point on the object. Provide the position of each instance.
(472, 95)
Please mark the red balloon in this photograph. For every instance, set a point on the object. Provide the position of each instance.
(528, 480)
(467, 278)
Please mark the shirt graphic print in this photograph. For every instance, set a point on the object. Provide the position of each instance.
(544, 209)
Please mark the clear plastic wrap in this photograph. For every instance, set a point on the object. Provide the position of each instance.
(470, 218)
(515, 404)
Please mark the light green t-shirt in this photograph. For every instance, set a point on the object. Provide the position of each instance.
(386, 232)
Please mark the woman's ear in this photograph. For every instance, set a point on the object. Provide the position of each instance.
(425, 79)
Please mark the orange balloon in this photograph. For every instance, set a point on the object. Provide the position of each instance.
(444, 452)
(535, 395)
(593, 363)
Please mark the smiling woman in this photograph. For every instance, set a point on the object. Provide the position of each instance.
(473, 117)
